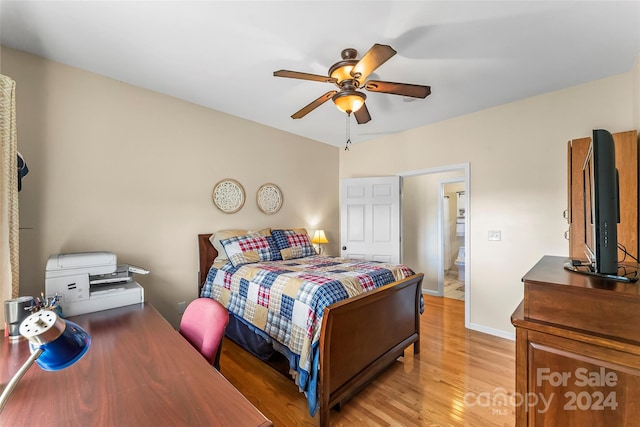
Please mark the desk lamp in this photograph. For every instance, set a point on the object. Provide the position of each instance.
(319, 239)
(54, 343)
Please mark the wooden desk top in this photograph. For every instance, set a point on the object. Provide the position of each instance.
(138, 371)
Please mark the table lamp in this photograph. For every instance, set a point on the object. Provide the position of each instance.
(54, 343)
(319, 239)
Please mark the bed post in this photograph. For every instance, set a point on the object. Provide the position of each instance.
(207, 254)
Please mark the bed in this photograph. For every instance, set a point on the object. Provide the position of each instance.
(357, 337)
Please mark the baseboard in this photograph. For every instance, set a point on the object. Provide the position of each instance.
(476, 327)
(492, 331)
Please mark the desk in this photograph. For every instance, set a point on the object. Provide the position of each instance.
(138, 371)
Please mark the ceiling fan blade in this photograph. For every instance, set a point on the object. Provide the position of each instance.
(375, 57)
(313, 105)
(403, 89)
(304, 76)
(362, 115)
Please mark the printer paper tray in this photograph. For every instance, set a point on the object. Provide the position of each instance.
(104, 298)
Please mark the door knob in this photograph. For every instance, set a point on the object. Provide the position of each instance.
(344, 248)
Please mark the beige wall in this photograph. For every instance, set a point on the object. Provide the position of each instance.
(518, 179)
(119, 168)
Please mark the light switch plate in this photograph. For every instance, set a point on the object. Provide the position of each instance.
(495, 235)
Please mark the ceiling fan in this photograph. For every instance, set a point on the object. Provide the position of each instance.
(350, 76)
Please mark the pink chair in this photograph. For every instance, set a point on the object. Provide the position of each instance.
(203, 324)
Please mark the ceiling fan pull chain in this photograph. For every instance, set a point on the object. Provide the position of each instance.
(346, 147)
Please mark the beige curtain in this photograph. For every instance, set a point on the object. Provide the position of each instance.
(9, 271)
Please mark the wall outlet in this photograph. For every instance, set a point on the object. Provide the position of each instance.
(495, 235)
(182, 306)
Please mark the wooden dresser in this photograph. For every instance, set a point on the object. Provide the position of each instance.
(577, 349)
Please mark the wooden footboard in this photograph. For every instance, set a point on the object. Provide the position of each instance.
(360, 336)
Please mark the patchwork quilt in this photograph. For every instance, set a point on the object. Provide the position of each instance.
(286, 300)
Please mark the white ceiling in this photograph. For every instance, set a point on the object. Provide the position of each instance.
(222, 54)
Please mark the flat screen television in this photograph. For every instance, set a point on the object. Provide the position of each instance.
(601, 204)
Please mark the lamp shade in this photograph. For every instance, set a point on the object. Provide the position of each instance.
(63, 343)
(342, 73)
(349, 101)
(341, 70)
(54, 343)
(319, 238)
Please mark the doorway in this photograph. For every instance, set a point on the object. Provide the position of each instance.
(453, 220)
(422, 232)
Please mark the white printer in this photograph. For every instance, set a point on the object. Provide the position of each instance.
(91, 281)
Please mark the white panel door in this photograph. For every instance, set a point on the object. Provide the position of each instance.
(370, 218)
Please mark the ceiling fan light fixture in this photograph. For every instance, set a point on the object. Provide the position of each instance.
(349, 101)
(341, 71)
(350, 76)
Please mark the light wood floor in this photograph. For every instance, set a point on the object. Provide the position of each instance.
(460, 378)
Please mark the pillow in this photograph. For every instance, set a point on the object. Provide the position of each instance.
(250, 248)
(226, 234)
(293, 243)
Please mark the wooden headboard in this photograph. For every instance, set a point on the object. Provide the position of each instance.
(207, 253)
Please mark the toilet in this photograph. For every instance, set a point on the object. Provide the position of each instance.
(459, 262)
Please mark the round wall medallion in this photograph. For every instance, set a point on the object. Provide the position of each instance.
(228, 196)
(269, 198)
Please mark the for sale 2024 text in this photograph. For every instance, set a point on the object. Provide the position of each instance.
(595, 400)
